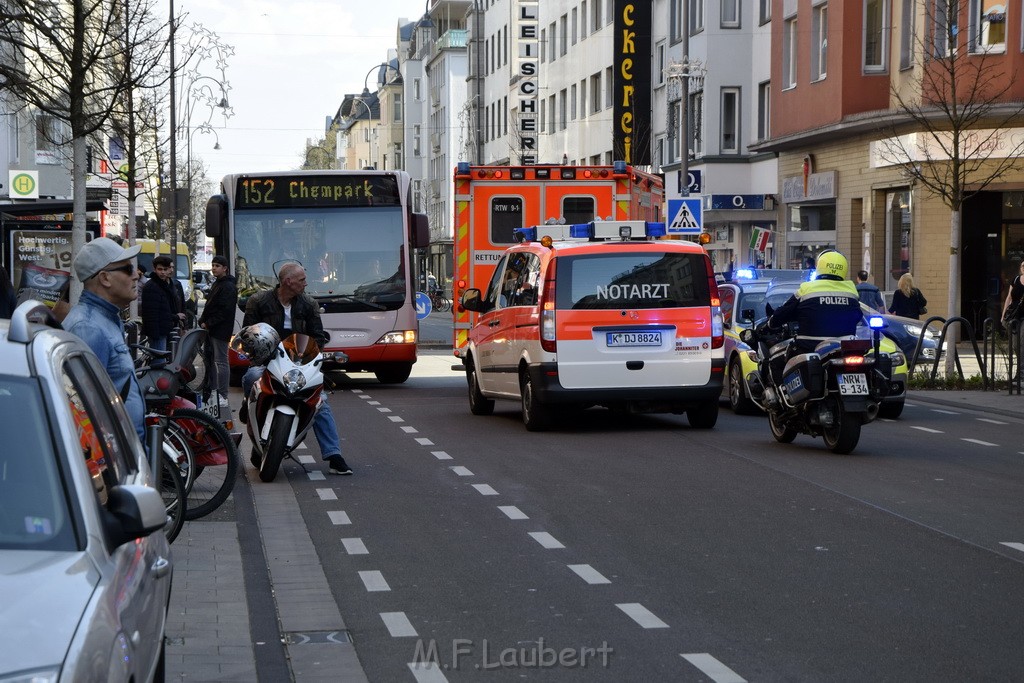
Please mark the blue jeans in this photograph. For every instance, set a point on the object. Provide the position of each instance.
(324, 427)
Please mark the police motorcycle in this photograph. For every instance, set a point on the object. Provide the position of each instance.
(829, 392)
(283, 401)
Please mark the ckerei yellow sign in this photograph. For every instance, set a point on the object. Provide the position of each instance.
(24, 184)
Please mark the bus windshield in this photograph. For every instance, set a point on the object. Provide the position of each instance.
(353, 256)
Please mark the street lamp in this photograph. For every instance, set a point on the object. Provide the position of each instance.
(366, 93)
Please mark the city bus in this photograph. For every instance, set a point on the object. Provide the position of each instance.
(354, 232)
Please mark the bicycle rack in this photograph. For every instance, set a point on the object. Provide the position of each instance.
(964, 325)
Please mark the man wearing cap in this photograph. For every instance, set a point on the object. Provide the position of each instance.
(108, 274)
(218, 319)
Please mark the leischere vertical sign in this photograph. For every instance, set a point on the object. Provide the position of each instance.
(526, 87)
(631, 82)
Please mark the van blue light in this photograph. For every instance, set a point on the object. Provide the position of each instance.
(744, 274)
(525, 234)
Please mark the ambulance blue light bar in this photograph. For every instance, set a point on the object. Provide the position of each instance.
(595, 230)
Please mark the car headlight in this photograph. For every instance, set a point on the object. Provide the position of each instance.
(897, 358)
(294, 380)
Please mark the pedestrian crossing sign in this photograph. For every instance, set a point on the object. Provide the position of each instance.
(685, 216)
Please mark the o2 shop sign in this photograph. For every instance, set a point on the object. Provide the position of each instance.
(737, 201)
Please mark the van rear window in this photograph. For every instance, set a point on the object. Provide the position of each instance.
(632, 280)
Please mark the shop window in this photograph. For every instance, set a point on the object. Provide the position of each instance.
(899, 242)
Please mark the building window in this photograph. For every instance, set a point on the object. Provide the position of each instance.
(730, 13)
(416, 136)
(597, 23)
(572, 102)
(764, 11)
(608, 88)
(988, 25)
(764, 93)
(563, 35)
(575, 27)
(543, 45)
(876, 13)
(730, 143)
(819, 41)
(946, 26)
(396, 105)
(399, 161)
(583, 99)
(551, 113)
(543, 113)
(554, 41)
(696, 116)
(907, 19)
(46, 140)
(584, 17)
(659, 64)
(659, 153)
(416, 92)
(563, 110)
(675, 20)
(789, 42)
(696, 16)
(595, 93)
(899, 236)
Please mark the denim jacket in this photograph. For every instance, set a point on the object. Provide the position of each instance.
(99, 325)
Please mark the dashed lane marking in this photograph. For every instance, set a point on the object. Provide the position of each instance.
(327, 494)
(928, 429)
(461, 471)
(395, 418)
(306, 459)
(398, 624)
(945, 412)
(316, 475)
(374, 581)
(410, 430)
(641, 615)
(384, 410)
(441, 455)
(427, 672)
(1015, 546)
(588, 574)
(546, 540)
(364, 396)
(423, 441)
(355, 546)
(512, 512)
(713, 669)
(485, 489)
(991, 421)
(979, 442)
(338, 517)
(373, 403)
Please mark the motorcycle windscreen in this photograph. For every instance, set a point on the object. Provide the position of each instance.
(301, 348)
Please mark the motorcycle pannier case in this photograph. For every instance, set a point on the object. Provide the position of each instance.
(803, 378)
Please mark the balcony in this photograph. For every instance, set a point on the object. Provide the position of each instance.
(456, 38)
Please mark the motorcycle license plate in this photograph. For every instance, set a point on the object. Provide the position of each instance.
(853, 385)
(633, 339)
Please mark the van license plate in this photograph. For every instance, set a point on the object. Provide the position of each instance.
(634, 339)
(853, 385)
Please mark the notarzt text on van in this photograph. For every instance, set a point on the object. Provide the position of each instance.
(645, 291)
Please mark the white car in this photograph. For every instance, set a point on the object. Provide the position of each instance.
(85, 572)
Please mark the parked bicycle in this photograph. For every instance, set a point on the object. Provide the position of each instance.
(206, 454)
(439, 302)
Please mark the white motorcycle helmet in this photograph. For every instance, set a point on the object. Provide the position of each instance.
(258, 342)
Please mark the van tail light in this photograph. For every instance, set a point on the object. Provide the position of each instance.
(717, 333)
(548, 330)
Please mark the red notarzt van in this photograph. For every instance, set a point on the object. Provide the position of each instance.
(601, 313)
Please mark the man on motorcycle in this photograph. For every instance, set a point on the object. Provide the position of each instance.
(289, 310)
(824, 308)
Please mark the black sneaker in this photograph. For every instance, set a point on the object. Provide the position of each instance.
(337, 465)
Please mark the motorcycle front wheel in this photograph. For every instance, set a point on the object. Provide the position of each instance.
(276, 445)
(782, 432)
(843, 434)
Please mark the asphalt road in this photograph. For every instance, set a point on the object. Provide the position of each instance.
(620, 548)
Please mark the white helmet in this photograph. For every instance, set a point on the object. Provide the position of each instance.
(258, 342)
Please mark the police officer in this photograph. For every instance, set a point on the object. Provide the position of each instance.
(826, 307)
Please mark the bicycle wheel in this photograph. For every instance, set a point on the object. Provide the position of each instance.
(216, 459)
(172, 488)
(182, 454)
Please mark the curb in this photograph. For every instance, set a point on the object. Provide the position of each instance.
(946, 398)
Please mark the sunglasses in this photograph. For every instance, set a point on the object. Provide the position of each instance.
(128, 269)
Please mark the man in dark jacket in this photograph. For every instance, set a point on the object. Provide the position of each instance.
(289, 310)
(161, 306)
(218, 319)
(869, 293)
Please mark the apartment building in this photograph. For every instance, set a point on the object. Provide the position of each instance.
(839, 72)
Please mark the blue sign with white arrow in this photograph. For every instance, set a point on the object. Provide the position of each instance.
(423, 305)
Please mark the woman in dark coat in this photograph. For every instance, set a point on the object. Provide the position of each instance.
(907, 300)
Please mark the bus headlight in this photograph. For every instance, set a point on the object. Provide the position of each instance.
(398, 337)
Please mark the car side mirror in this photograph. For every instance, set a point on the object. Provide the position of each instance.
(472, 301)
(747, 336)
(747, 314)
(137, 511)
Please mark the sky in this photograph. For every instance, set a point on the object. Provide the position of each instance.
(293, 63)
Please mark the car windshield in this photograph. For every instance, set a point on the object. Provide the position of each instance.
(33, 507)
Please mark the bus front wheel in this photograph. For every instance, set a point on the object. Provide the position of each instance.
(395, 374)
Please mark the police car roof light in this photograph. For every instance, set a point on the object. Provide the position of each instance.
(745, 274)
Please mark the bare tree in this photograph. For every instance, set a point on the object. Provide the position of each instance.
(948, 131)
(322, 153)
(70, 60)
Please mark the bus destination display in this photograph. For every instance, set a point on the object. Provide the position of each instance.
(312, 191)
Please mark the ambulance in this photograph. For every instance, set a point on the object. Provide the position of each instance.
(493, 201)
(605, 313)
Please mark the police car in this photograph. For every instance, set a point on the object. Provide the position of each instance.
(605, 313)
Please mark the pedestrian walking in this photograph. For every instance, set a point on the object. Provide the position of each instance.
(218, 319)
(161, 308)
(108, 275)
(1013, 315)
(869, 293)
(907, 300)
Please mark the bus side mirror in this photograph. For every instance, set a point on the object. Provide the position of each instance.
(216, 215)
(420, 236)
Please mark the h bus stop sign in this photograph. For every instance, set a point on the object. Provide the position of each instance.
(423, 305)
